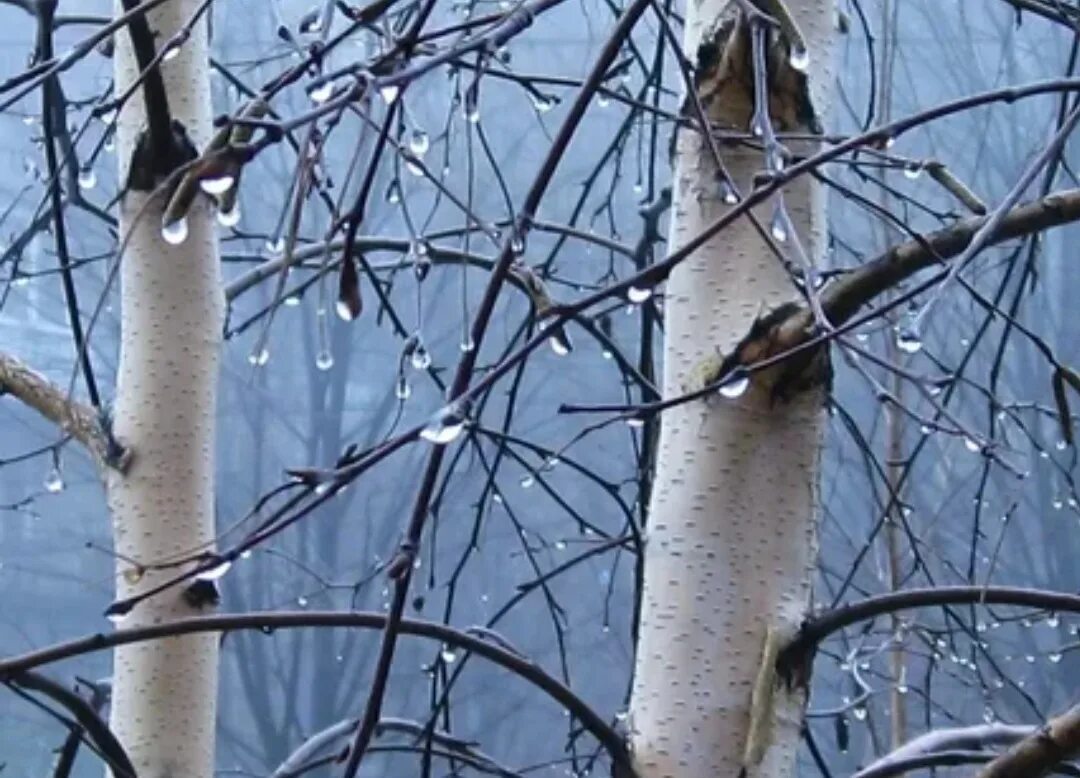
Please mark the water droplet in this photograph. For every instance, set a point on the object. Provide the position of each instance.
(972, 445)
(321, 93)
(275, 246)
(171, 53)
(447, 655)
(907, 338)
(389, 93)
(735, 385)
(1054, 657)
(217, 186)
(402, 390)
(778, 225)
(527, 482)
(421, 357)
(344, 312)
(302, 601)
(635, 422)
(913, 170)
(1061, 445)
(117, 617)
(446, 425)
(134, 574)
(543, 103)
(467, 345)
(245, 554)
(637, 295)
(176, 232)
(419, 142)
(324, 360)
(799, 58)
(215, 572)
(559, 345)
(517, 245)
(1053, 620)
(859, 712)
(560, 545)
(87, 178)
(393, 192)
(726, 192)
(260, 357)
(229, 218)
(54, 481)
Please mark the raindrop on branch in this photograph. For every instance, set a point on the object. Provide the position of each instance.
(87, 178)
(175, 232)
(54, 481)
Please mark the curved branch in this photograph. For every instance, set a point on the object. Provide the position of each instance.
(269, 621)
(1041, 751)
(84, 713)
(76, 419)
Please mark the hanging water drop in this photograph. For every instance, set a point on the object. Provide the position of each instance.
(446, 425)
(467, 344)
(726, 192)
(393, 192)
(324, 360)
(419, 142)
(402, 390)
(517, 244)
(215, 572)
(778, 226)
(344, 311)
(972, 445)
(87, 178)
(912, 170)
(389, 93)
(421, 259)
(799, 58)
(217, 186)
(229, 218)
(527, 482)
(421, 357)
(472, 104)
(637, 294)
(560, 344)
(54, 481)
(171, 53)
(447, 655)
(907, 337)
(543, 103)
(260, 357)
(302, 601)
(321, 93)
(175, 232)
(275, 246)
(736, 385)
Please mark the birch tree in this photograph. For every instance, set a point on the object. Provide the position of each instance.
(165, 692)
(731, 549)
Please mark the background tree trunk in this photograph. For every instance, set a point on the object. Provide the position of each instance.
(732, 523)
(164, 694)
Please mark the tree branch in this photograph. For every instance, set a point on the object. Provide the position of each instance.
(520, 666)
(76, 419)
(1041, 751)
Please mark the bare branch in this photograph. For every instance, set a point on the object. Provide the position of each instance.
(1041, 751)
(76, 419)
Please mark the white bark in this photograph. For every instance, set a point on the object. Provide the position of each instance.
(172, 312)
(731, 540)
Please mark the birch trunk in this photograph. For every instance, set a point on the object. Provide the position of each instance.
(731, 545)
(164, 692)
